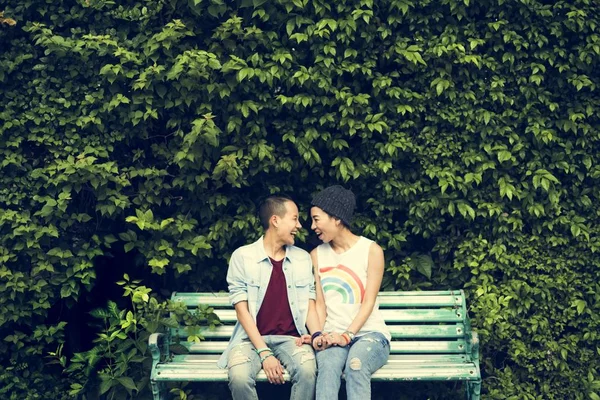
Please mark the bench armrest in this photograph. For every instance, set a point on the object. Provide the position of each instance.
(159, 347)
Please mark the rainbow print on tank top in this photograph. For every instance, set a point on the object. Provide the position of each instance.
(342, 281)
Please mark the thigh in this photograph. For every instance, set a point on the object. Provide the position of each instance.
(332, 359)
(243, 361)
(370, 352)
(292, 356)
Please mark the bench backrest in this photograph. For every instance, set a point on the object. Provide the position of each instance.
(424, 322)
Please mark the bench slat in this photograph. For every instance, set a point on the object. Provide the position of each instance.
(408, 346)
(390, 316)
(395, 359)
(209, 372)
(392, 299)
(398, 331)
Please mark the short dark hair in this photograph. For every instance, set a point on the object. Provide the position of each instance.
(272, 205)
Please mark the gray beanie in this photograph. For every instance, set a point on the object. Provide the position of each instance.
(336, 201)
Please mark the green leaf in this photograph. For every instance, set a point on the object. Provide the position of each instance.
(106, 384)
(504, 155)
(161, 90)
(289, 26)
(423, 264)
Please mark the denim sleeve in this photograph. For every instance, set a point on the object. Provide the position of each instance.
(312, 292)
(238, 290)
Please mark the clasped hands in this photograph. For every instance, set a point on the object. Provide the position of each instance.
(322, 341)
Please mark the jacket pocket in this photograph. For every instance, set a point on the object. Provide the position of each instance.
(302, 287)
(253, 290)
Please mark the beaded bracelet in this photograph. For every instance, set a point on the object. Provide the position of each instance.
(258, 351)
(263, 358)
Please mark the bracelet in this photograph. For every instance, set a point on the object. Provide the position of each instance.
(258, 351)
(262, 359)
(315, 335)
(347, 337)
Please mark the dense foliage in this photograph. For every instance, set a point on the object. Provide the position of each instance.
(136, 136)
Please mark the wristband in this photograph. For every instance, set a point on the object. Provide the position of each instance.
(347, 337)
(315, 335)
(262, 359)
(258, 351)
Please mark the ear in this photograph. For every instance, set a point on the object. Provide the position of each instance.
(274, 221)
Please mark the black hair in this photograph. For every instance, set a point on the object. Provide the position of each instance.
(272, 205)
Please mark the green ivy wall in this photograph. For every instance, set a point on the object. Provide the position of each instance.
(469, 130)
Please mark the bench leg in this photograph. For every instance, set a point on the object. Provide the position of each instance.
(474, 390)
(158, 390)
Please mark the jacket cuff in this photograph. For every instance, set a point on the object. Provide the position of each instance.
(235, 298)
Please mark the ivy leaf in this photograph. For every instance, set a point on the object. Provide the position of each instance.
(127, 382)
(422, 263)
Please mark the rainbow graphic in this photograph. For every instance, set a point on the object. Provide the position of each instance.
(344, 281)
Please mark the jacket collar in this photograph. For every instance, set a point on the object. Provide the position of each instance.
(261, 254)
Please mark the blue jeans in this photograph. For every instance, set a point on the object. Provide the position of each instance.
(358, 361)
(244, 364)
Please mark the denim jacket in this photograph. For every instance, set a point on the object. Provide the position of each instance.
(248, 277)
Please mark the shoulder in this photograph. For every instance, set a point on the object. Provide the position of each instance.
(374, 248)
(297, 254)
(248, 251)
(320, 249)
(242, 251)
(375, 254)
(314, 253)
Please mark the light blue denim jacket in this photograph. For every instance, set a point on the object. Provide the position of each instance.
(248, 277)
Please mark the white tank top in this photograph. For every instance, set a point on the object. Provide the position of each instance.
(344, 280)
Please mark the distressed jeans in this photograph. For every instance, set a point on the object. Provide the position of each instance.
(244, 364)
(358, 361)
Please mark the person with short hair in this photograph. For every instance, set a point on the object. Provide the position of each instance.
(348, 270)
(271, 286)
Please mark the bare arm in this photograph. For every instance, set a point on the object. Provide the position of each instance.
(312, 319)
(314, 322)
(374, 278)
(271, 365)
(320, 308)
(249, 325)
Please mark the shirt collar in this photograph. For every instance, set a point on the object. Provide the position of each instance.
(261, 254)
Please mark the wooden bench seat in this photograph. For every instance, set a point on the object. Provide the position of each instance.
(432, 340)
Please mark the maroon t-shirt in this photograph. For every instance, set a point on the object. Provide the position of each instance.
(275, 316)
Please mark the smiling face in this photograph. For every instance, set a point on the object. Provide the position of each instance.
(287, 226)
(325, 226)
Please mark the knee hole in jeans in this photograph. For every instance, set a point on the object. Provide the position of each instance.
(238, 358)
(355, 364)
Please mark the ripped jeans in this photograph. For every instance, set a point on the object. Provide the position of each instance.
(358, 361)
(244, 364)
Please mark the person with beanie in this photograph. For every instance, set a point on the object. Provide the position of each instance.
(354, 339)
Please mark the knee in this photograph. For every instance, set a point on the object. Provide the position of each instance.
(239, 372)
(306, 371)
(330, 361)
(355, 367)
(240, 379)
